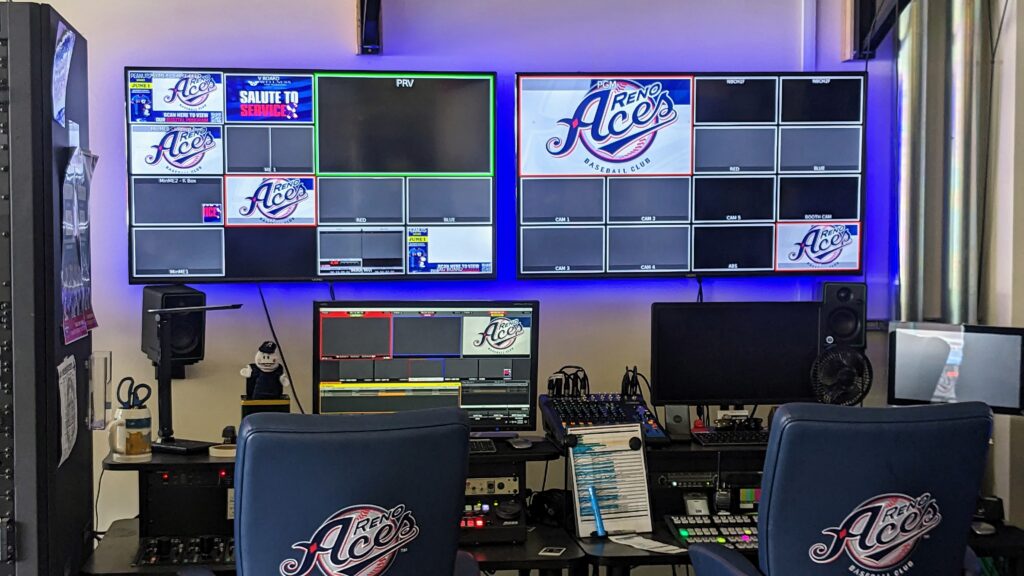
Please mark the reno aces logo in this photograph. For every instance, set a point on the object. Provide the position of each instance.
(880, 534)
(822, 244)
(182, 147)
(191, 90)
(501, 333)
(616, 121)
(357, 541)
(276, 198)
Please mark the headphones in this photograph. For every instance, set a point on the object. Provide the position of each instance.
(569, 381)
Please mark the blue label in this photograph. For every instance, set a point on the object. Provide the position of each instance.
(269, 98)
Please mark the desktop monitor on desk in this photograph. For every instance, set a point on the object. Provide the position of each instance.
(941, 363)
(372, 357)
(733, 352)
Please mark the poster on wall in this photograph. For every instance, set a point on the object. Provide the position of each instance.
(575, 125)
(75, 271)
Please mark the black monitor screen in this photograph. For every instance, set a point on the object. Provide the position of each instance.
(683, 174)
(250, 175)
(938, 363)
(733, 353)
(392, 356)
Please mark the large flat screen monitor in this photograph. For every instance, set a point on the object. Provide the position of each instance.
(373, 357)
(733, 352)
(246, 175)
(940, 363)
(687, 174)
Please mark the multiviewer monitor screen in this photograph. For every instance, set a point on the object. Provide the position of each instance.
(733, 353)
(681, 174)
(389, 357)
(244, 175)
(931, 363)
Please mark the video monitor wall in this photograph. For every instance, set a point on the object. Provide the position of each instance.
(679, 174)
(244, 175)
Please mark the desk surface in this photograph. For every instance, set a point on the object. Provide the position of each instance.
(116, 552)
(541, 450)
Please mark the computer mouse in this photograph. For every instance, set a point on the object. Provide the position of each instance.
(983, 528)
(519, 443)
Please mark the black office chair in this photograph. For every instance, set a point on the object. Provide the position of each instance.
(363, 495)
(865, 491)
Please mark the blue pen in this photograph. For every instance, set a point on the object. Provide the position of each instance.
(598, 521)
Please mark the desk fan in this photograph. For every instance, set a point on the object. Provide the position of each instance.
(841, 376)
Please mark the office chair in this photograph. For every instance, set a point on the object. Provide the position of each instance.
(865, 491)
(367, 495)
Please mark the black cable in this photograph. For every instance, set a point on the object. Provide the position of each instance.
(331, 285)
(994, 38)
(273, 334)
(96, 508)
(700, 289)
(544, 482)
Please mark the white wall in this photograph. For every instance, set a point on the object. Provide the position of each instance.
(600, 325)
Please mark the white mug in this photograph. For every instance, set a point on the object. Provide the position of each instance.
(131, 435)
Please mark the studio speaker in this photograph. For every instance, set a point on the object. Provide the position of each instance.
(368, 27)
(843, 310)
(188, 331)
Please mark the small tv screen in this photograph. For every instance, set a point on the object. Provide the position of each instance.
(297, 175)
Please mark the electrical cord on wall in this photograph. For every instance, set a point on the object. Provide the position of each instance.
(96, 532)
(700, 288)
(993, 38)
(273, 334)
(331, 286)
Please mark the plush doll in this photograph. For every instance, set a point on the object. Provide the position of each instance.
(265, 379)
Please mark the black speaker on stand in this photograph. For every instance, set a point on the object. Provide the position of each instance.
(188, 333)
(842, 372)
(843, 311)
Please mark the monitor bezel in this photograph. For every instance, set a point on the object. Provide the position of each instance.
(534, 306)
(891, 397)
(863, 174)
(133, 279)
(659, 399)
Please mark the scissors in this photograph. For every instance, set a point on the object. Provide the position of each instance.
(138, 394)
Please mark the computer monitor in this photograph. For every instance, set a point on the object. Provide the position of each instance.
(941, 363)
(733, 352)
(242, 175)
(374, 357)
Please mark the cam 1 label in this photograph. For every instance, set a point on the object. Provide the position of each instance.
(269, 98)
(270, 201)
(177, 150)
(175, 96)
(831, 246)
(613, 126)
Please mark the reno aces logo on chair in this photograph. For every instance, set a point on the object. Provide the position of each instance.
(880, 534)
(617, 120)
(357, 541)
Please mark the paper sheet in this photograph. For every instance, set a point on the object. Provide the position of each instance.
(67, 382)
(641, 543)
(603, 458)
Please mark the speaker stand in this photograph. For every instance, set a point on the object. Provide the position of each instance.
(164, 376)
(177, 371)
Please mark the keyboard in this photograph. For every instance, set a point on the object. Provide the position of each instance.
(736, 531)
(482, 446)
(732, 438)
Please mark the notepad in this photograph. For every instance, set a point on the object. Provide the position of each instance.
(604, 458)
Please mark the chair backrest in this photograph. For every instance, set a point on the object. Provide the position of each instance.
(363, 495)
(871, 490)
